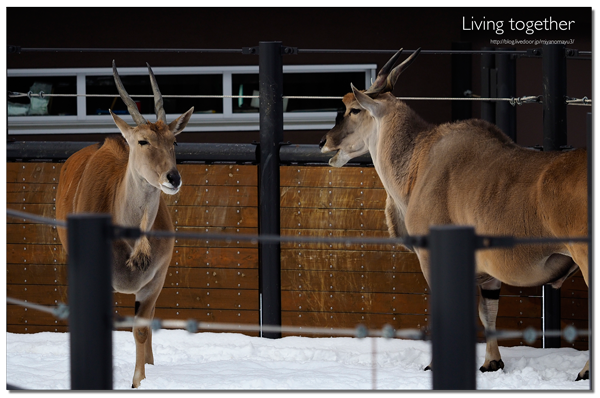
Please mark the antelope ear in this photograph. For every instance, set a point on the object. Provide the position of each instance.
(177, 125)
(366, 102)
(122, 125)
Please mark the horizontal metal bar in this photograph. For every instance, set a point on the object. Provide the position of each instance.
(61, 150)
(55, 150)
(430, 52)
(215, 152)
(128, 50)
(304, 153)
(211, 152)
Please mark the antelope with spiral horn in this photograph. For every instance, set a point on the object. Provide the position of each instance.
(125, 176)
(469, 173)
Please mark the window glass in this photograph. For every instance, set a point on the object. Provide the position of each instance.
(36, 106)
(168, 85)
(299, 84)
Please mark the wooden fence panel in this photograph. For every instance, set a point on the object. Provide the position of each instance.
(215, 280)
(209, 280)
(341, 285)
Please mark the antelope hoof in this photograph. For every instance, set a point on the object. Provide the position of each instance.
(492, 366)
(585, 376)
(137, 380)
(140, 261)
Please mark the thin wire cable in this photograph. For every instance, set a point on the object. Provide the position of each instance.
(193, 326)
(12, 94)
(530, 335)
(134, 233)
(61, 311)
(585, 101)
(569, 333)
(253, 51)
(513, 100)
(35, 217)
(255, 239)
(533, 241)
(303, 97)
(420, 241)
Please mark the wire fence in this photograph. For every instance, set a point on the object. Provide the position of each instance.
(571, 53)
(526, 99)
(529, 334)
(482, 242)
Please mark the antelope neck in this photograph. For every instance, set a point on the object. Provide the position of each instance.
(139, 204)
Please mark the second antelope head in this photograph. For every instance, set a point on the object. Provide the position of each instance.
(359, 124)
(151, 145)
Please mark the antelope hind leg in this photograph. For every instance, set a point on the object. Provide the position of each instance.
(580, 256)
(585, 372)
(488, 311)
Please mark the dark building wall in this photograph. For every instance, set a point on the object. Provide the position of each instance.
(306, 28)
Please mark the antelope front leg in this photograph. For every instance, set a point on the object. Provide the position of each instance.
(143, 339)
(148, 347)
(423, 256)
(488, 311)
(395, 222)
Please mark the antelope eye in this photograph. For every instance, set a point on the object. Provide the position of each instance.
(142, 143)
(175, 143)
(355, 111)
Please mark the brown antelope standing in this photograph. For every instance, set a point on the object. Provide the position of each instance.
(124, 177)
(469, 173)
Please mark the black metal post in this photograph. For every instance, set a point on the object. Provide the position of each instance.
(488, 85)
(506, 114)
(590, 181)
(270, 77)
(461, 81)
(90, 301)
(453, 307)
(554, 79)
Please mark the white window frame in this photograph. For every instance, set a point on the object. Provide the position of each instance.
(81, 123)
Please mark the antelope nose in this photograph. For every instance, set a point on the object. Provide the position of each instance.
(322, 143)
(174, 178)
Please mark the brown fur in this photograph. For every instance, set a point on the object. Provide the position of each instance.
(471, 173)
(105, 163)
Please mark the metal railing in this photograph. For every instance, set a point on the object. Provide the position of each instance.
(270, 54)
(452, 251)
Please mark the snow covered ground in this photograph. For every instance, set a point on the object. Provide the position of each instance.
(229, 361)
